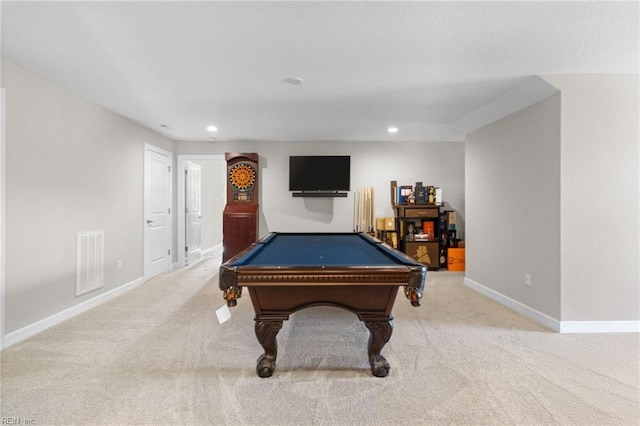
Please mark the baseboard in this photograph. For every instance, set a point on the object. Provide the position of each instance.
(563, 327)
(527, 311)
(55, 319)
(600, 327)
(213, 249)
(206, 253)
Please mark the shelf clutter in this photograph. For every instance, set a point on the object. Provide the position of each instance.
(421, 227)
(418, 194)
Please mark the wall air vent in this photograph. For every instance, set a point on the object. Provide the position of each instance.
(90, 264)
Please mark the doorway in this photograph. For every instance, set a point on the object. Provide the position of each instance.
(193, 212)
(212, 201)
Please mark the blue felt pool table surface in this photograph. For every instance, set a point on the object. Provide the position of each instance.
(335, 249)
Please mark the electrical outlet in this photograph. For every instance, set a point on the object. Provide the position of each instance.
(119, 264)
(527, 279)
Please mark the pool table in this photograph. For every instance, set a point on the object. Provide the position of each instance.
(286, 272)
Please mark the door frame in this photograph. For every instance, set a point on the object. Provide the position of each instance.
(181, 167)
(191, 248)
(169, 154)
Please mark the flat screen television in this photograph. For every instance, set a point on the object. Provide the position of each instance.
(312, 173)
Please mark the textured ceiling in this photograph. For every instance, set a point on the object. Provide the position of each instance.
(424, 67)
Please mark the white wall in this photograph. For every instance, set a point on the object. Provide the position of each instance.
(2, 212)
(564, 183)
(372, 164)
(513, 206)
(600, 193)
(71, 166)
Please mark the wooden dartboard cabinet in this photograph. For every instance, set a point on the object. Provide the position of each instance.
(240, 217)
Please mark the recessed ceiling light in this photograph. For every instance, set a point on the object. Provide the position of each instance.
(392, 130)
(294, 80)
(212, 128)
(164, 126)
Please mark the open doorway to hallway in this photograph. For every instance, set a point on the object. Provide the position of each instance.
(212, 201)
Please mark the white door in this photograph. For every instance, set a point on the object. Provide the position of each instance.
(193, 212)
(157, 211)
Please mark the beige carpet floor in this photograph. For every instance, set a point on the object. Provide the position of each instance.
(157, 356)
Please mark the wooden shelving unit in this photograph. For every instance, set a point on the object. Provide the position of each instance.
(412, 221)
(420, 230)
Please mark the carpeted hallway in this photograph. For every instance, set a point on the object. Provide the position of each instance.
(157, 356)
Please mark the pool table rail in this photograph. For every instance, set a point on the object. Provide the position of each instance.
(233, 278)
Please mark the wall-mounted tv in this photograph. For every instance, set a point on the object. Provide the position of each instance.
(319, 173)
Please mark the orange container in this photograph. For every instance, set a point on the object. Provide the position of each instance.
(455, 259)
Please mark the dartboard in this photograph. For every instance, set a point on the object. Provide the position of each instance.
(242, 176)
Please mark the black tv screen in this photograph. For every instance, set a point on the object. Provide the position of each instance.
(319, 173)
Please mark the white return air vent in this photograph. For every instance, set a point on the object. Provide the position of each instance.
(90, 265)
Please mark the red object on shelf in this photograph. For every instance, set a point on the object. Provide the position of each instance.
(428, 228)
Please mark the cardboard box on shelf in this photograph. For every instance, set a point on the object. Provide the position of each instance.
(386, 223)
(451, 218)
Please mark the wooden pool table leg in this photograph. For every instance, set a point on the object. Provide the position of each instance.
(379, 335)
(266, 332)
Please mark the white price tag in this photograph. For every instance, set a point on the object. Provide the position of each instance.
(223, 314)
